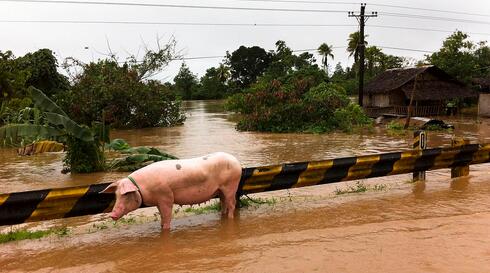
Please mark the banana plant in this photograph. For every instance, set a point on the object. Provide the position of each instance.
(53, 123)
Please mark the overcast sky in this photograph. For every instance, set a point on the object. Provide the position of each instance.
(88, 42)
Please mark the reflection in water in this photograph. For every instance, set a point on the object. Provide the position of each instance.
(440, 225)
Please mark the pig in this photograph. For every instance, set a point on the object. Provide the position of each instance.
(183, 182)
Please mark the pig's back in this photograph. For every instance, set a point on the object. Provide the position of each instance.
(202, 177)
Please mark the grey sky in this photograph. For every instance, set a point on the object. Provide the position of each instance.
(71, 39)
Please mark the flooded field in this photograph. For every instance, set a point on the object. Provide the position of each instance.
(437, 226)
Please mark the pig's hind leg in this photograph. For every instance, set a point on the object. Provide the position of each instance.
(227, 197)
(165, 209)
(222, 202)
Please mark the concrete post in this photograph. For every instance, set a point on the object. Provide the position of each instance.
(419, 143)
(459, 171)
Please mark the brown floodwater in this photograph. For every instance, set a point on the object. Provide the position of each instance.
(437, 226)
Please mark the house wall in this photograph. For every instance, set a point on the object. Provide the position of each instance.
(397, 98)
(484, 105)
(381, 100)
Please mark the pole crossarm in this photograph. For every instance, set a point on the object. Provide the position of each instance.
(39, 205)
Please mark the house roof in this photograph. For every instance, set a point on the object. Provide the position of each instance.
(483, 84)
(403, 78)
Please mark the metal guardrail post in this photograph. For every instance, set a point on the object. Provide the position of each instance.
(419, 143)
(461, 170)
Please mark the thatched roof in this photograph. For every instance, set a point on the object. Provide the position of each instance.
(446, 87)
(483, 84)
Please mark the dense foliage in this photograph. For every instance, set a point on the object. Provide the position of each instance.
(462, 58)
(295, 95)
(48, 121)
(122, 94)
(37, 69)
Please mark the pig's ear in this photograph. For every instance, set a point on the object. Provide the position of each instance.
(127, 187)
(110, 189)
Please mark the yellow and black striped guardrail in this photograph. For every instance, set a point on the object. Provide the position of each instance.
(49, 204)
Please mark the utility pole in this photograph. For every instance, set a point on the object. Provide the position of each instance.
(362, 19)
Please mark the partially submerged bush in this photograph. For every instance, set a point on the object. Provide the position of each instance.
(137, 157)
(296, 106)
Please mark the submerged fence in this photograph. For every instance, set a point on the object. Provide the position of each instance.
(49, 204)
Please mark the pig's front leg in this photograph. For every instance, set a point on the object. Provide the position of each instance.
(165, 209)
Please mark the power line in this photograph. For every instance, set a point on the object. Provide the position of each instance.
(371, 4)
(415, 16)
(174, 23)
(227, 24)
(436, 18)
(431, 10)
(406, 49)
(424, 29)
(173, 6)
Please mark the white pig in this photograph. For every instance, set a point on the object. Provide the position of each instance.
(183, 182)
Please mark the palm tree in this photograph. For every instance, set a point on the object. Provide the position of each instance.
(223, 73)
(353, 44)
(325, 51)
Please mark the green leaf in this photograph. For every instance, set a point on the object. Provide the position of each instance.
(42, 102)
(12, 132)
(70, 126)
(118, 144)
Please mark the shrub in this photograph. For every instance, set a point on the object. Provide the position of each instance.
(295, 106)
(126, 100)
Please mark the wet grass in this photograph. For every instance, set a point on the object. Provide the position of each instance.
(250, 202)
(215, 206)
(360, 187)
(23, 234)
(127, 220)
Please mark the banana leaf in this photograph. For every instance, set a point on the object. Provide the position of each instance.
(42, 102)
(118, 144)
(134, 162)
(138, 158)
(12, 132)
(70, 126)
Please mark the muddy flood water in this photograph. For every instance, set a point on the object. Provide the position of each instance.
(441, 225)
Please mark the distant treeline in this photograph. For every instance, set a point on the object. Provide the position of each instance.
(125, 95)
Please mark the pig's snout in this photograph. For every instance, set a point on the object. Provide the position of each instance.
(114, 216)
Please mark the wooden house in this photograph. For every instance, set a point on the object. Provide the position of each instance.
(391, 91)
(483, 87)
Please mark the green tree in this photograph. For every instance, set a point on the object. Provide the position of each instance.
(12, 79)
(122, 94)
(246, 64)
(42, 67)
(38, 69)
(186, 83)
(456, 57)
(339, 73)
(482, 54)
(325, 51)
(212, 86)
